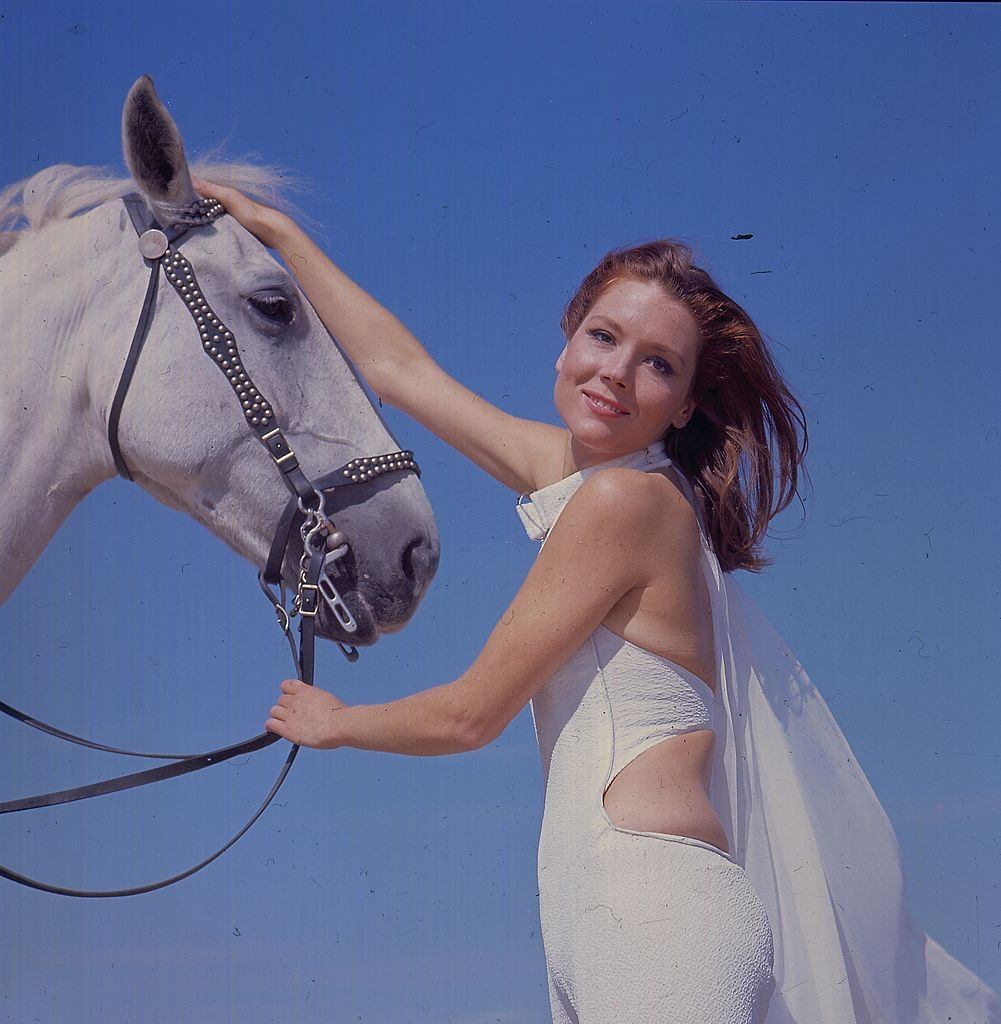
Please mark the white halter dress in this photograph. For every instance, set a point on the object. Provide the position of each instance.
(805, 922)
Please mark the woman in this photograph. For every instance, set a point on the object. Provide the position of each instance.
(691, 805)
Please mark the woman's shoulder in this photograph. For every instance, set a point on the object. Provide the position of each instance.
(639, 492)
(648, 506)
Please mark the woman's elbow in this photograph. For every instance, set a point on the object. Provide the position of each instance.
(474, 732)
(475, 725)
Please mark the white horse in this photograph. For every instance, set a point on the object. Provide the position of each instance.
(72, 283)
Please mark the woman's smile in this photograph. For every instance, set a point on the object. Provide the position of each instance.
(604, 406)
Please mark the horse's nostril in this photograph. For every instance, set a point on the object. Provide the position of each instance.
(410, 559)
(419, 561)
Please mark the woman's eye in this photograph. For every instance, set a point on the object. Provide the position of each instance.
(276, 307)
(603, 336)
(661, 365)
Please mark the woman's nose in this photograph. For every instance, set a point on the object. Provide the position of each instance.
(615, 373)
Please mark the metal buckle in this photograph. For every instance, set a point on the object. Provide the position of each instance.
(280, 441)
(314, 601)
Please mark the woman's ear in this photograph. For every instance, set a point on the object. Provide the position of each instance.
(684, 416)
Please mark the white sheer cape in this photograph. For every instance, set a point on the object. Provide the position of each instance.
(806, 826)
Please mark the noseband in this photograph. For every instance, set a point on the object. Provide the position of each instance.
(323, 545)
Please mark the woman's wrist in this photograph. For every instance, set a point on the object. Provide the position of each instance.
(277, 230)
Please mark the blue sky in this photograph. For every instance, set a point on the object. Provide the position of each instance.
(469, 164)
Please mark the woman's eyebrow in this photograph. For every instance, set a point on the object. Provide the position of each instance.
(614, 324)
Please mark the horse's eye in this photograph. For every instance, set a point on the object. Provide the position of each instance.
(277, 307)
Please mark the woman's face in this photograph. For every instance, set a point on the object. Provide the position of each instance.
(626, 374)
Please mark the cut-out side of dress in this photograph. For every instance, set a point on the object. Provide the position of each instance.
(650, 699)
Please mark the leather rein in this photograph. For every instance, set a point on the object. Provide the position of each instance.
(323, 545)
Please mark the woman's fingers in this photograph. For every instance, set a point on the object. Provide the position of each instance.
(257, 218)
(215, 191)
(211, 190)
(303, 715)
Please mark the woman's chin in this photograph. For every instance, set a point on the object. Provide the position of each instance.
(600, 442)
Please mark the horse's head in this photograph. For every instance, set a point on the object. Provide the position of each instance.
(182, 431)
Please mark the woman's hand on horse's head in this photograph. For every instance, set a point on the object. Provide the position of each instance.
(265, 222)
(305, 715)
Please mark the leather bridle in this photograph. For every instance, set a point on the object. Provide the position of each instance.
(323, 545)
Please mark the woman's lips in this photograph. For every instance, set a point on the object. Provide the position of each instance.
(604, 407)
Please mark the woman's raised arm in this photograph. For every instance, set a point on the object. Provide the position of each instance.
(395, 364)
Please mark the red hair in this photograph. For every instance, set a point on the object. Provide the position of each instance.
(746, 441)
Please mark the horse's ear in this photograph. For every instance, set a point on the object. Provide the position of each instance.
(154, 151)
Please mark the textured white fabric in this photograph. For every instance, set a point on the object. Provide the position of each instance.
(638, 926)
(640, 930)
(649, 697)
(806, 827)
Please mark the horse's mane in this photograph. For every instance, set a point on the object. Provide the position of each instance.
(65, 190)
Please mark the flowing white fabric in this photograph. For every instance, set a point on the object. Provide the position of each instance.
(806, 826)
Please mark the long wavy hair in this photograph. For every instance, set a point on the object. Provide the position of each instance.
(744, 446)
